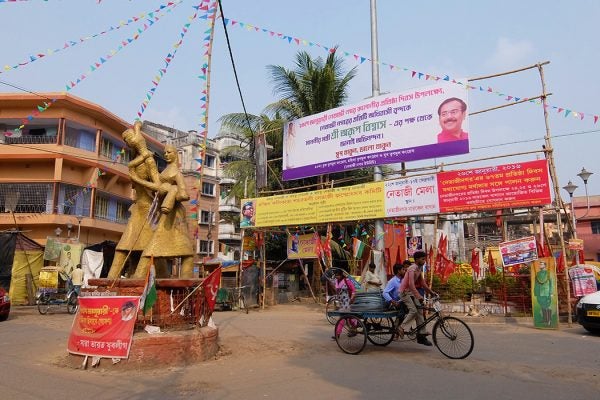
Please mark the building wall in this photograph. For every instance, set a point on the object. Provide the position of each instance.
(585, 219)
(53, 166)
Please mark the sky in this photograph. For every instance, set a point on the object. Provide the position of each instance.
(461, 39)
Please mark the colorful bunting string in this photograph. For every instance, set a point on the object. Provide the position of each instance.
(168, 58)
(97, 64)
(71, 43)
(210, 11)
(414, 74)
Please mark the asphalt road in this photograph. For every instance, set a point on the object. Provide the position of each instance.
(286, 352)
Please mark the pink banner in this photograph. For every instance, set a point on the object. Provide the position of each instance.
(103, 326)
(504, 186)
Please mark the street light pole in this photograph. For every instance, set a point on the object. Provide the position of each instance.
(570, 188)
(377, 172)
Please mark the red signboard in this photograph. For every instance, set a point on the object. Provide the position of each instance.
(504, 186)
(103, 326)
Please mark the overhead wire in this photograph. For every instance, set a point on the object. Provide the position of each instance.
(237, 81)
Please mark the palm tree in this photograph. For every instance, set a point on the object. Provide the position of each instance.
(314, 86)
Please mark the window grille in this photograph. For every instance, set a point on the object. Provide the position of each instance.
(26, 197)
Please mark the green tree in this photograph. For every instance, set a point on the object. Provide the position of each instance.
(314, 86)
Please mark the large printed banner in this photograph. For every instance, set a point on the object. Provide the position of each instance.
(583, 279)
(385, 129)
(544, 294)
(510, 185)
(302, 246)
(504, 186)
(411, 196)
(103, 326)
(518, 251)
(328, 205)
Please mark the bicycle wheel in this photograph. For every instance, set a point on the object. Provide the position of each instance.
(43, 303)
(380, 331)
(352, 337)
(332, 305)
(453, 337)
(72, 303)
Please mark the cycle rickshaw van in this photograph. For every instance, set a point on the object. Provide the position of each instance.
(50, 280)
(53, 290)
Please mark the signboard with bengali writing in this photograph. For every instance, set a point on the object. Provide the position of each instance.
(386, 129)
(411, 196)
(338, 204)
(518, 251)
(510, 185)
(575, 244)
(302, 246)
(103, 326)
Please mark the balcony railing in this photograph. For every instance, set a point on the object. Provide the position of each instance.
(31, 139)
(26, 197)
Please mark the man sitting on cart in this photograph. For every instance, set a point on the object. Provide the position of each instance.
(391, 295)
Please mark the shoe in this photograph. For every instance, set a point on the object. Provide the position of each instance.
(421, 339)
(351, 333)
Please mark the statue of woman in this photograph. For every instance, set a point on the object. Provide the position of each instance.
(138, 233)
(171, 237)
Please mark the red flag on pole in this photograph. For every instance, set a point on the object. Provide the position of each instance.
(491, 263)
(388, 262)
(430, 257)
(211, 287)
(448, 268)
(560, 263)
(441, 245)
(475, 261)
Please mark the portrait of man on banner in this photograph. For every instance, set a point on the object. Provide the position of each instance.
(544, 294)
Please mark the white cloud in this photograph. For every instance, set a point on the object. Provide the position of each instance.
(510, 54)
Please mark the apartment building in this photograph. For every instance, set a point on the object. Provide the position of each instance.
(65, 173)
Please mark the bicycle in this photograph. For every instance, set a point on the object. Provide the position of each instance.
(452, 337)
(238, 298)
(333, 304)
(333, 301)
(48, 298)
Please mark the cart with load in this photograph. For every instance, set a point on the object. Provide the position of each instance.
(369, 320)
(54, 291)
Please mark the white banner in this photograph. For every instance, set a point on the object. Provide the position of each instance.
(429, 122)
(411, 196)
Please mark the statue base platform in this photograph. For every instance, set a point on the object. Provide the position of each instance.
(149, 351)
(181, 339)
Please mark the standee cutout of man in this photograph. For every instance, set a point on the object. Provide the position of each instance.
(452, 113)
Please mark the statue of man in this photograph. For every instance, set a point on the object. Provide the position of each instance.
(138, 231)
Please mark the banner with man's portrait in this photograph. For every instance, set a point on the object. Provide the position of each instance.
(544, 294)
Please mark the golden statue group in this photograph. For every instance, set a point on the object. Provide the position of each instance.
(157, 226)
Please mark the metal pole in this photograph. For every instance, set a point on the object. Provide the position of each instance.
(377, 172)
(558, 199)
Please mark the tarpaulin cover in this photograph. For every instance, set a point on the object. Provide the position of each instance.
(25, 262)
(108, 254)
(91, 263)
(250, 279)
(8, 242)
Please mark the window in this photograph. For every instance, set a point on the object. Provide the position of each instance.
(595, 227)
(205, 217)
(206, 247)
(111, 208)
(209, 161)
(208, 189)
